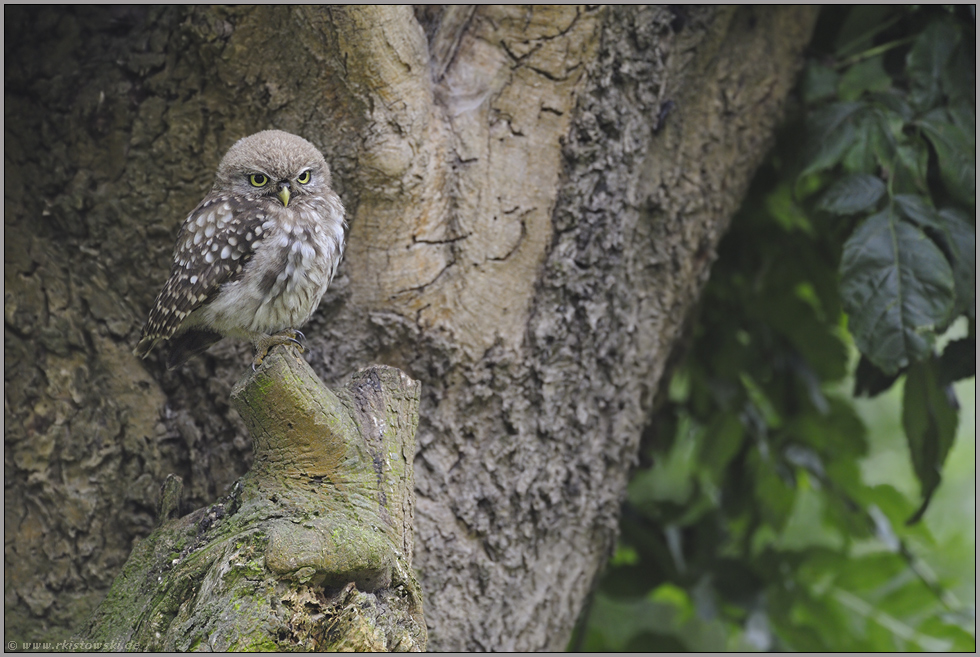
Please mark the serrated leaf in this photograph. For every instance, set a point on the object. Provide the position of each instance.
(908, 169)
(897, 288)
(866, 76)
(831, 135)
(962, 247)
(926, 61)
(863, 154)
(929, 417)
(852, 194)
(915, 208)
(957, 158)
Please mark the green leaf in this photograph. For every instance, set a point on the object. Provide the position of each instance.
(953, 629)
(956, 151)
(868, 572)
(959, 80)
(915, 208)
(872, 144)
(836, 434)
(929, 417)
(964, 116)
(831, 135)
(926, 61)
(908, 168)
(897, 288)
(866, 76)
(819, 83)
(785, 210)
(959, 361)
(893, 101)
(775, 498)
(962, 250)
(869, 381)
(720, 442)
(852, 194)
(881, 144)
(956, 237)
(761, 401)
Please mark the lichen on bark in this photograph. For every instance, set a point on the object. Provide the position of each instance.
(312, 549)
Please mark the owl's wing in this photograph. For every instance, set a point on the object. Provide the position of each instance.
(215, 242)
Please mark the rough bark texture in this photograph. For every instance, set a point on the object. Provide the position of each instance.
(534, 195)
(311, 550)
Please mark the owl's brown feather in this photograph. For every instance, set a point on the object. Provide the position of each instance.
(194, 281)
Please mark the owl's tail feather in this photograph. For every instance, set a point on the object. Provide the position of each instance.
(189, 344)
(144, 346)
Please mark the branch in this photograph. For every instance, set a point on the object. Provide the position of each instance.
(311, 550)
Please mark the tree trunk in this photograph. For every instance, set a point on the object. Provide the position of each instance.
(534, 197)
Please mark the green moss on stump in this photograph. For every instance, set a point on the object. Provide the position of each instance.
(312, 548)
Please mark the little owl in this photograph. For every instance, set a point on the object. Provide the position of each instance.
(255, 257)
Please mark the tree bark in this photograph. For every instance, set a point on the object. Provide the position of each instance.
(534, 197)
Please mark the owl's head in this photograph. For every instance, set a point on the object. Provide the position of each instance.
(273, 164)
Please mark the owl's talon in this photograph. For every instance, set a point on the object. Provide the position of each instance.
(294, 336)
(262, 347)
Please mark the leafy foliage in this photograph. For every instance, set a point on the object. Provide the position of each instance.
(907, 105)
(752, 525)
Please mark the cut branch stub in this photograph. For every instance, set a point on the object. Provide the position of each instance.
(313, 547)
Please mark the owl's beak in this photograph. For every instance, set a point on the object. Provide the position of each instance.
(283, 193)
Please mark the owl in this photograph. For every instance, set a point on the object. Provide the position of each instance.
(255, 257)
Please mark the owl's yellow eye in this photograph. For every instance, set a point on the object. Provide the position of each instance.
(258, 179)
(304, 177)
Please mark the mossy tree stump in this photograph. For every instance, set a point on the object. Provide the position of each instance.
(311, 550)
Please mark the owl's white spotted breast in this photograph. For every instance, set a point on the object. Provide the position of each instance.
(250, 269)
(295, 257)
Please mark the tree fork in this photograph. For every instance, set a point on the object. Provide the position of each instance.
(313, 547)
